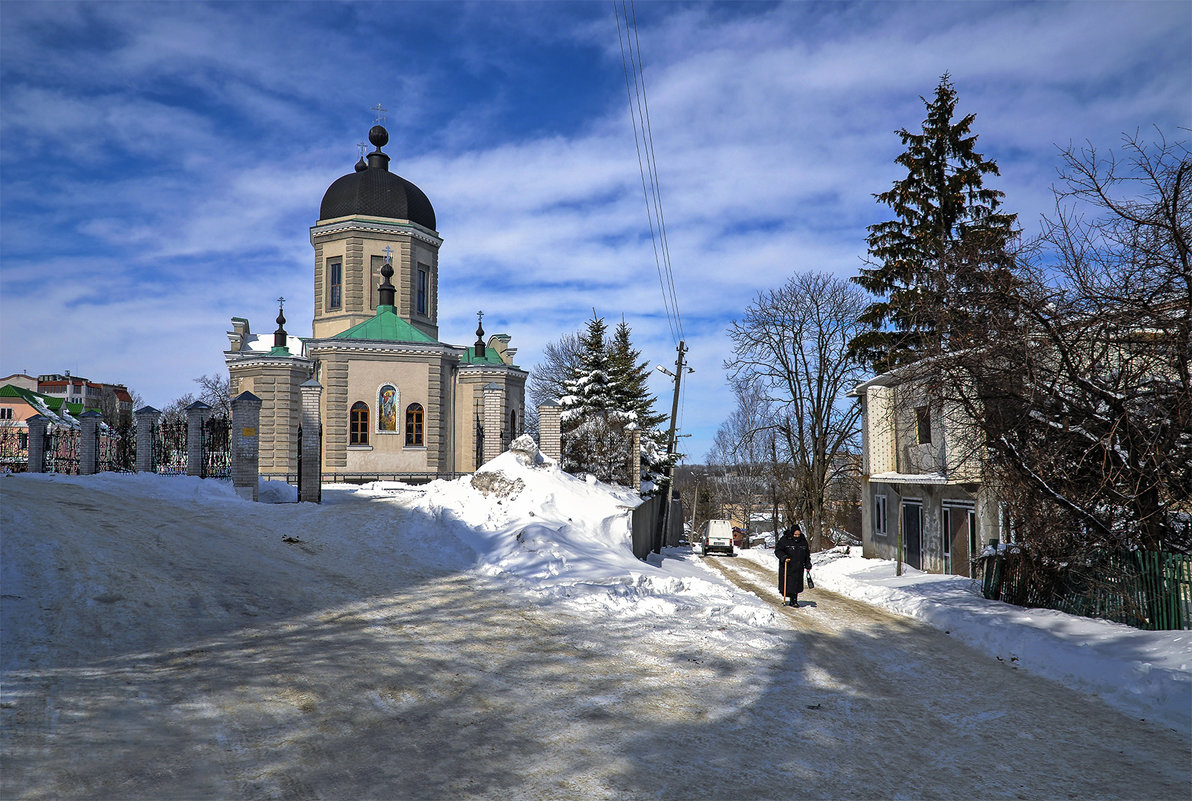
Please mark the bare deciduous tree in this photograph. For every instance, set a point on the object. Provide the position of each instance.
(216, 392)
(1080, 378)
(794, 343)
(739, 471)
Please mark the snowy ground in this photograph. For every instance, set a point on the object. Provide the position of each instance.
(494, 637)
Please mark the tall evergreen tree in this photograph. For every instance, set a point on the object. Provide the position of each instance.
(634, 403)
(945, 218)
(629, 379)
(605, 399)
(593, 439)
(588, 388)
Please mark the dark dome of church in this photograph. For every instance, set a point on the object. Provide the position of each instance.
(376, 192)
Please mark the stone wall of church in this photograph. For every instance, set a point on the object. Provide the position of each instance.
(470, 412)
(361, 254)
(416, 379)
(334, 378)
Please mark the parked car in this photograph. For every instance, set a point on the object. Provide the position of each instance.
(716, 535)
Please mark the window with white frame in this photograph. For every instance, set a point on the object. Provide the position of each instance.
(335, 284)
(879, 515)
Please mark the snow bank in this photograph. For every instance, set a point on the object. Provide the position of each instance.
(565, 539)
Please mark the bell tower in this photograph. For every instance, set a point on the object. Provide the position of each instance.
(366, 215)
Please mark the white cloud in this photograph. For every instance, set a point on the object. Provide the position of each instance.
(170, 163)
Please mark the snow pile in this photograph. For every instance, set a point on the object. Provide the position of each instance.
(1143, 673)
(562, 538)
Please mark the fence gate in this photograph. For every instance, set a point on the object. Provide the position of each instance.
(62, 450)
(169, 447)
(217, 448)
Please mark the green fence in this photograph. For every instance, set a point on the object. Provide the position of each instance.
(1147, 590)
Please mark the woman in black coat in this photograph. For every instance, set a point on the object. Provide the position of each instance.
(794, 556)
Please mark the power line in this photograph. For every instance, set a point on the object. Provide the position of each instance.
(631, 62)
(648, 135)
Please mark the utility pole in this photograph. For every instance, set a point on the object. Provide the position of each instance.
(670, 446)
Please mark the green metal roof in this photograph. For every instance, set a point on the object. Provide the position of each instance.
(386, 326)
(33, 398)
(490, 356)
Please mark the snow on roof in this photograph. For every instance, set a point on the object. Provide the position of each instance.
(263, 343)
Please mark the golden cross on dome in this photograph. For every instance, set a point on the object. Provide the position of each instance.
(380, 112)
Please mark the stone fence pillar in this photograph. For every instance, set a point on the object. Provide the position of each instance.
(493, 395)
(37, 442)
(147, 418)
(550, 430)
(89, 442)
(196, 413)
(310, 471)
(246, 445)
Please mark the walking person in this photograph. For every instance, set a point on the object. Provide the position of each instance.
(794, 557)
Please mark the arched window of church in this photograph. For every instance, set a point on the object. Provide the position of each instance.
(414, 416)
(358, 424)
(512, 423)
(387, 408)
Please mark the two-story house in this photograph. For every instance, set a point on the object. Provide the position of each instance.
(922, 497)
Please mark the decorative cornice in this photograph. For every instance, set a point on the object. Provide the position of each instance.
(481, 370)
(313, 346)
(374, 225)
(258, 359)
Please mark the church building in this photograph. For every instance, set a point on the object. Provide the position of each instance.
(394, 398)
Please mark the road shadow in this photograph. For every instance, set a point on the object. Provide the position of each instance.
(425, 682)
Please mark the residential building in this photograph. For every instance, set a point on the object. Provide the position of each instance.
(921, 487)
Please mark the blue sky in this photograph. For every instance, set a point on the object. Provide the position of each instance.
(161, 163)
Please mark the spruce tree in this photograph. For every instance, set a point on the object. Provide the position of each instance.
(945, 218)
(629, 382)
(593, 440)
(588, 388)
(634, 403)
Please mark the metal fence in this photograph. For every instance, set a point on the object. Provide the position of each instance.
(1144, 589)
(62, 450)
(217, 448)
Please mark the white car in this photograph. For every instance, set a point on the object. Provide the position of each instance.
(717, 535)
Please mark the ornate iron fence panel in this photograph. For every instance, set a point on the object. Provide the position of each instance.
(217, 448)
(169, 447)
(14, 447)
(62, 450)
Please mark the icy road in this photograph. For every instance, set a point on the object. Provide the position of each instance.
(178, 643)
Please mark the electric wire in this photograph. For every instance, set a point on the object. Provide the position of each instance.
(648, 136)
(647, 167)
